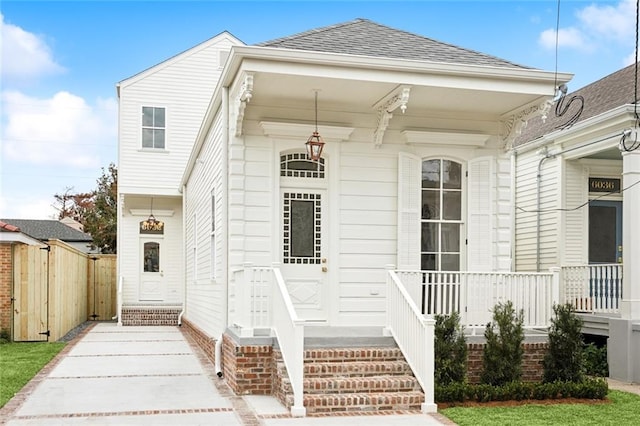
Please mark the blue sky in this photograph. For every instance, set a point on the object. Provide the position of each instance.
(61, 62)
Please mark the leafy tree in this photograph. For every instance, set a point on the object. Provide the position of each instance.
(564, 360)
(97, 211)
(502, 355)
(450, 350)
(73, 205)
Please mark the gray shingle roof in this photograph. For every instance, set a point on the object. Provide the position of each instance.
(367, 38)
(48, 230)
(609, 92)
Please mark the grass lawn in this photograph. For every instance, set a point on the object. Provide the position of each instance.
(19, 362)
(624, 409)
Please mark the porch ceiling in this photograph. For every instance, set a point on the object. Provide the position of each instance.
(354, 95)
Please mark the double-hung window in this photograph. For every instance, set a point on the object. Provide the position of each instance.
(153, 127)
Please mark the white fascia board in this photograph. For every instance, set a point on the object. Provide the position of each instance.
(384, 70)
(19, 237)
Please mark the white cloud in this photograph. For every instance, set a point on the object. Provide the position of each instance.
(597, 26)
(62, 130)
(567, 37)
(610, 22)
(27, 208)
(24, 54)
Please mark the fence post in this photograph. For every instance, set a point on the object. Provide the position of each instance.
(388, 268)
(556, 289)
(429, 405)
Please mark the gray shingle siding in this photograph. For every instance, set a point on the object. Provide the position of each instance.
(366, 38)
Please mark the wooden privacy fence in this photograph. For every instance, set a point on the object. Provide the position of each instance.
(57, 287)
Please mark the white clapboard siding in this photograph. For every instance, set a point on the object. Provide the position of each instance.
(575, 219)
(481, 228)
(205, 305)
(183, 86)
(527, 232)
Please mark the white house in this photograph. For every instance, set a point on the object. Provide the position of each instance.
(576, 204)
(253, 244)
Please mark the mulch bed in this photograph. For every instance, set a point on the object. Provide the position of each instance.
(442, 405)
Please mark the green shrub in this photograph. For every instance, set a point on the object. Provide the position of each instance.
(503, 352)
(5, 337)
(450, 350)
(564, 361)
(595, 360)
(596, 388)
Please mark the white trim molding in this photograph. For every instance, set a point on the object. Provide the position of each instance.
(448, 138)
(514, 122)
(274, 129)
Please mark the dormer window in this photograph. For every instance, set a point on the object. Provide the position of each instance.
(153, 127)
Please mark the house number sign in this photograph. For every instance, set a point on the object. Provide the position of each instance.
(604, 185)
(147, 227)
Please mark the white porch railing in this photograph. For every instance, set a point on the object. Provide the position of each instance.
(262, 301)
(414, 334)
(593, 288)
(474, 294)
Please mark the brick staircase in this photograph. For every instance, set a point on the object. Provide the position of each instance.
(354, 380)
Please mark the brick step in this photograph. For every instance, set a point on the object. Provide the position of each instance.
(372, 384)
(361, 384)
(352, 354)
(361, 402)
(355, 368)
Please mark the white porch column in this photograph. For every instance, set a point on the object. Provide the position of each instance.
(630, 305)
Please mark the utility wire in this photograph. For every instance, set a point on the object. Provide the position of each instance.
(581, 205)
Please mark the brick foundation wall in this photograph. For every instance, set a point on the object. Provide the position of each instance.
(150, 316)
(6, 272)
(532, 368)
(204, 341)
(248, 370)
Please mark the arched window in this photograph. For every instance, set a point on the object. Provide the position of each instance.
(441, 215)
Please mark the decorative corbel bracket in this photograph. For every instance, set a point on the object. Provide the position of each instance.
(398, 98)
(514, 123)
(245, 92)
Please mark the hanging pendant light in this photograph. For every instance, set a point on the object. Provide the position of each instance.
(315, 143)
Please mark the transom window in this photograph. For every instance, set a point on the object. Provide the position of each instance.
(441, 216)
(298, 165)
(153, 127)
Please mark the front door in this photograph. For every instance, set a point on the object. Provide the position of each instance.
(605, 231)
(304, 250)
(151, 272)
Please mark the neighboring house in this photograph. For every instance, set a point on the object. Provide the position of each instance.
(44, 230)
(577, 202)
(225, 224)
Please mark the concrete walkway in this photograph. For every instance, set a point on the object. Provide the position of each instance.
(112, 375)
